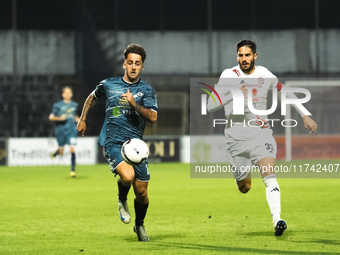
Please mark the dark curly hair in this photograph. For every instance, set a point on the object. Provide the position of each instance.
(135, 48)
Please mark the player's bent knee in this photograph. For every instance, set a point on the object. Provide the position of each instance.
(126, 174)
(142, 193)
(142, 196)
(127, 178)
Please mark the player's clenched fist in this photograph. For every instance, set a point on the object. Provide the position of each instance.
(81, 127)
(310, 124)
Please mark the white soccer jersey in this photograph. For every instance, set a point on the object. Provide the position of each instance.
(249, 125)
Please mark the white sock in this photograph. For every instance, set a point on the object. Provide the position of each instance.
(273, 195)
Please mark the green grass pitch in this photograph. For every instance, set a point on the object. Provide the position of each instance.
(45, 211)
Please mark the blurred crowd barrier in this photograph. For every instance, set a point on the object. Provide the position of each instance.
(185, 52)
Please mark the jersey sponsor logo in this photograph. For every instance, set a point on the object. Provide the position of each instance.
(254, 86)
(119, 110)
(261, 80)
(124, 103)
(70, 110)
(254, 91)
(116, 111)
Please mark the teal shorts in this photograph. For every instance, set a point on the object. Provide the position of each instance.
(114, 158)
(69, 139)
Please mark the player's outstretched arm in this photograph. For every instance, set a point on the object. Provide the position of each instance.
(310, 124)
(148, 114)
(88, 105)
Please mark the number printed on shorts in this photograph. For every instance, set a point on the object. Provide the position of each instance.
(269, 146)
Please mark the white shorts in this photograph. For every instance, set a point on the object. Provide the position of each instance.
(242, 155)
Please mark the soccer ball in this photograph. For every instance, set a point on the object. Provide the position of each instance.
(134, 151)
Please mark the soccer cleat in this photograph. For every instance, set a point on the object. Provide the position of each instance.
(124, 212)
(54, 154)
(141, 233)
(279, 227)
(73, 174)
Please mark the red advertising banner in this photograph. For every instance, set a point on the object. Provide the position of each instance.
(310, 147)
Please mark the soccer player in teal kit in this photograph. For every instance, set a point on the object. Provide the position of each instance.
(65, 118)
(130, 102)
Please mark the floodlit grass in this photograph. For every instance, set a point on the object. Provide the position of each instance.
(44, 211)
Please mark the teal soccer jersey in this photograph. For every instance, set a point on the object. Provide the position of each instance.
(121, 121)
(66, 129)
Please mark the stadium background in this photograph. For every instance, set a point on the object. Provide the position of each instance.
(47, 45)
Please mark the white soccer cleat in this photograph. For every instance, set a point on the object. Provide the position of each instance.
(124, 212)
(279, 226)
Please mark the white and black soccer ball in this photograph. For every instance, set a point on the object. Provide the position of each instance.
(135, 151)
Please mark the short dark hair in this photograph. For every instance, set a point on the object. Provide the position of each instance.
(247, 43)
(135, 48)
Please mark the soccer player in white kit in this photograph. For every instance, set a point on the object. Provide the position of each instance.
(249, 140)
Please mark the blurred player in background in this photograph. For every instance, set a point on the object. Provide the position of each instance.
(130, 102)
(255, 144)
(65, 118)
